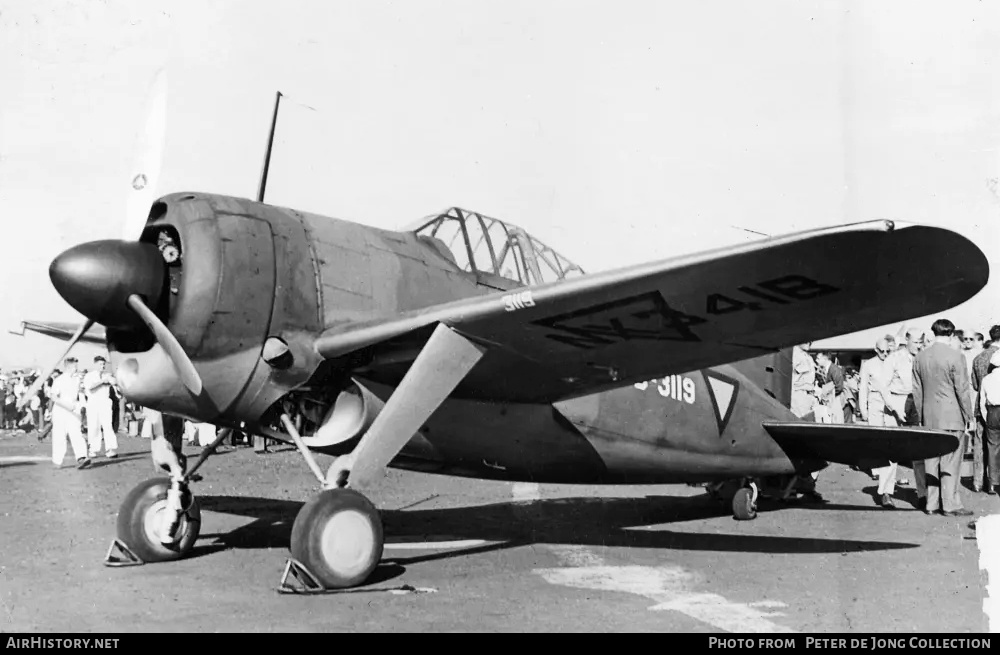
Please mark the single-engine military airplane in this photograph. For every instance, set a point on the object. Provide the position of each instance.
(465, 346)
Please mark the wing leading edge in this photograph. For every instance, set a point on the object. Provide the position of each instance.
(613, 328)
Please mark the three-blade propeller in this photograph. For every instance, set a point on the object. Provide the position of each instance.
(111, 282)
(144, 177)
(185, 368)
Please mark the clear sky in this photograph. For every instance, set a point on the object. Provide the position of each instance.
(615, 131)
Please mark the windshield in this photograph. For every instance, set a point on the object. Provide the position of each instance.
(489, 246)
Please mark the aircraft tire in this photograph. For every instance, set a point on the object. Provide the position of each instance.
(744, 508)
(139, 519)
(338, 536)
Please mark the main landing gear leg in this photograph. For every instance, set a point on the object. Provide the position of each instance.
(337, 535)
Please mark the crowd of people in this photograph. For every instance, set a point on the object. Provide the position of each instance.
(94, 391)
(946, 379)
(84, 408)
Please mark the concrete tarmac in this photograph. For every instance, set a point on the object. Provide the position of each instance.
(481, 556)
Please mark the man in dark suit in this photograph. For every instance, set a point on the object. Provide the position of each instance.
(941, 399)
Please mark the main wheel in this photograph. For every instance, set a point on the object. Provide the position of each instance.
(744, 509)
(338, 536)
(141, 517)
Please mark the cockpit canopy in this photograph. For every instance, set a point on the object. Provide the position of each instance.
(490, 247)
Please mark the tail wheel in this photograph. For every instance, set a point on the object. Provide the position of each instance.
(744, 507)
(142, 515)
(338, 536)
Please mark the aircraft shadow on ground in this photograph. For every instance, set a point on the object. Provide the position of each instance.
(967, 484)
(98, 463)
(7, 465)
(614, 522)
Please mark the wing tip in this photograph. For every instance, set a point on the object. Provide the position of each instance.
(956, 259)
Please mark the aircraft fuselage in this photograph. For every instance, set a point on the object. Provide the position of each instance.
(252, 272)
(684, 428)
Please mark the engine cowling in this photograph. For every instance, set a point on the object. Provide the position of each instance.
(353, 412)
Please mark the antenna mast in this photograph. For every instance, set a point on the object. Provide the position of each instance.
(267, 155)
(259, 442)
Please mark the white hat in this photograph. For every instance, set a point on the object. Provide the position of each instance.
(995, 358)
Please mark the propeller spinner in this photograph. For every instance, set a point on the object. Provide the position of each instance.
(97, 278)
(115, 283)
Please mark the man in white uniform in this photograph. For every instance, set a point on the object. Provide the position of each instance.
(97, 385)
(66, 418)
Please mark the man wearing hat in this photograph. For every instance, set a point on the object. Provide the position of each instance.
(66, 418)
(97, 385)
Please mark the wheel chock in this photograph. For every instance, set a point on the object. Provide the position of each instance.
(297, 579)
(124, 557)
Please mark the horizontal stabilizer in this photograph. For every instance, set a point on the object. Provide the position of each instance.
(864, 446)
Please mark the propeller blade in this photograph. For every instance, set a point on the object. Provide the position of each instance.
(144, 177)
(23, 400)
(185, 368)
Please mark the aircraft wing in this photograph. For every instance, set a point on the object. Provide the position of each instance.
(613, 328)
(62, 331)
(864, 446)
